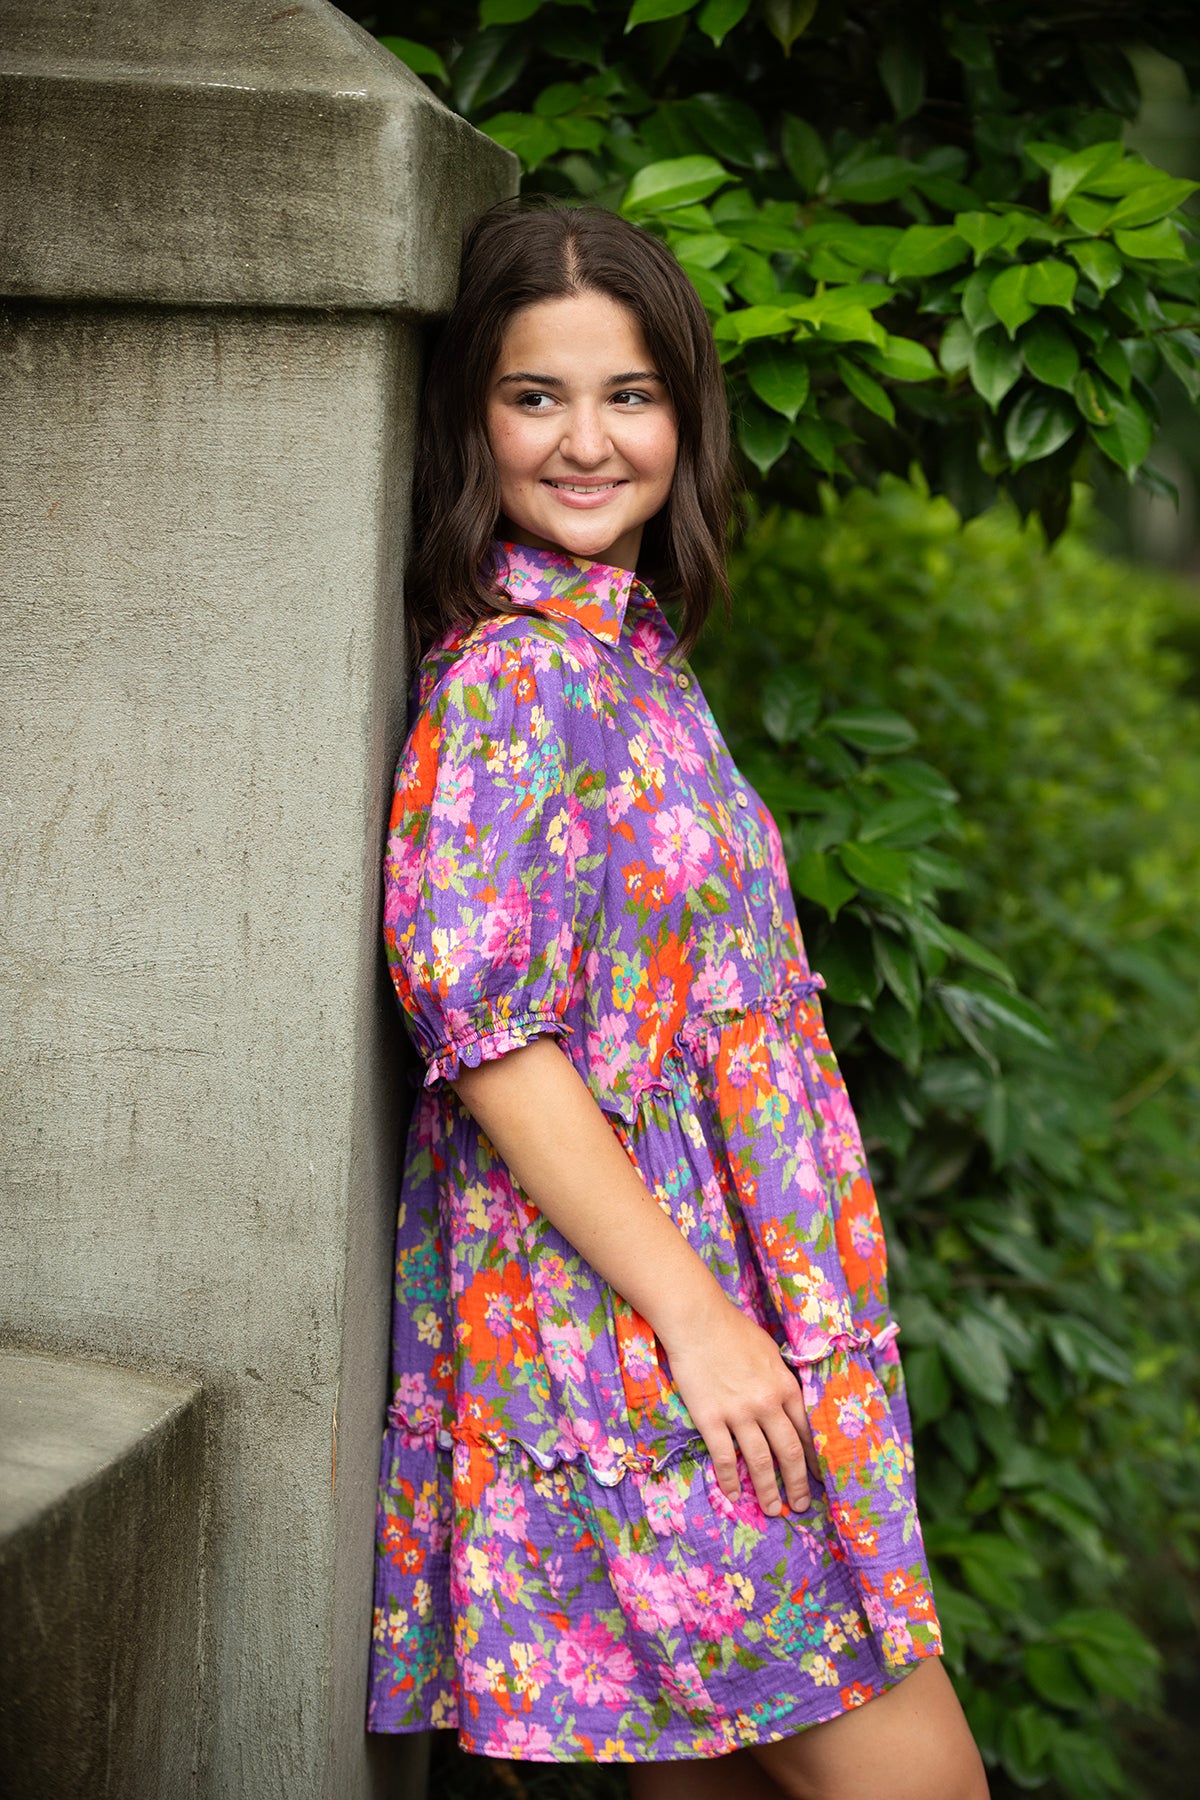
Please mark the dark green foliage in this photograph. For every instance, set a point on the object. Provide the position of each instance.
(916, 228)
(1011, 988)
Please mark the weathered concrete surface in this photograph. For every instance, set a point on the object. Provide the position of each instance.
(101, 1486)
(203, 527)
(235, 151)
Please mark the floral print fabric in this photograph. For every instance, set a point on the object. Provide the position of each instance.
(573, 851)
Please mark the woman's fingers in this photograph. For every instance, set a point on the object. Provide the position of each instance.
(723, 1452)
(788, 1449)
(797, 1412)
(759, 1458)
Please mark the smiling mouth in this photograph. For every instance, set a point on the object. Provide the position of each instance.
(585, 487)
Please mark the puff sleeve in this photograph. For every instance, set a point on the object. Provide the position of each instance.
(495, 840)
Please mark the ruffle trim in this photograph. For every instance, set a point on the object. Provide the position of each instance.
(431, 1431)
(492, 1041)
(489, 1044)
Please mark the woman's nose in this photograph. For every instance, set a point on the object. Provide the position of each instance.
(586, 439)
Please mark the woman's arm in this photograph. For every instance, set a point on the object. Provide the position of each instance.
(543, 1120)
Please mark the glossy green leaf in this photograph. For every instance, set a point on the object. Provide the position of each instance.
(804, 153)
(717, 18)
(791, 705)
(975, 1356)
(872, 179)
(902, 71)
(780, 376)
(954, 352)
(530, 138)
(1038, 425)
(1110, 358)
(1074, 171)
(896, 1032)
(1008, 297)
(1154, 200)
(1099, 262)
(762, 435)
(648, 12)
(1092, 216)
(983, 231)
(1152, 243)
(729, 128)
(1090, 399)
(873, 866)
(866, 389)
(820, 879)
(787, 19)
(927, 250)
(1127, 439)
(873, 729)
(976, 307)
(898, 966)
(990, 1002)
(487, 66)
(901, 358)
(751, 322)
(419, 57)
(1052, 1675)
(1051, 283)
(813, 437)
(701, 249)
(1050, 354)
(675, 182)
(995, 363)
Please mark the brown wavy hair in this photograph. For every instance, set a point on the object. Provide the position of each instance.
(515, 256)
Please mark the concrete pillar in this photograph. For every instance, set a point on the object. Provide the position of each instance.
(221, 227)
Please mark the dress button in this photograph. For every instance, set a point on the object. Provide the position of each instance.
(683, 681)
(741, 798)
(777, 917)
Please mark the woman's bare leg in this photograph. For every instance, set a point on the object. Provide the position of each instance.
(910, 1743)
(734, 1777)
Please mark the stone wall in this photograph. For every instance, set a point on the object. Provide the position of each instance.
(220, 230)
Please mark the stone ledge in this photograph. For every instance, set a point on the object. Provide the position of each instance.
(101, 1472)
(243, 152)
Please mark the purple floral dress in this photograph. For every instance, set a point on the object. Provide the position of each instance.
(573, 852)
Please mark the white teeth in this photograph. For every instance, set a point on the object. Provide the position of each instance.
(571, 487)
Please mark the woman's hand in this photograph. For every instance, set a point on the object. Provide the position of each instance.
(742, 1396)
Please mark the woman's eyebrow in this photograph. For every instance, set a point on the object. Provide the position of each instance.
(554, 381)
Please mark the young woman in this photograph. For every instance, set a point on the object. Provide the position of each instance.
(647, 1490)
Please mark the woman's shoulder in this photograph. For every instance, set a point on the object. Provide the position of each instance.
(512, 658)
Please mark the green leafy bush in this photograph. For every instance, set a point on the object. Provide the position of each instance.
(1011, 988)
(916, 228)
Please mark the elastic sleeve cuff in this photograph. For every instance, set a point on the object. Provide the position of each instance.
(488, 1044)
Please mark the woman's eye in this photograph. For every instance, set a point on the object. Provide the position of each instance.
(532, 402)
(630, 396)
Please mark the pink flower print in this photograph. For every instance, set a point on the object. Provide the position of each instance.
(568, 834)
(718, 986)
(681, 847)
(506, 1509)
(595, 1665)
(412, 1394)
(709, 1604)
(563, 1347)
(522, 1738)
(454, 793)
(508, 927)
(646, 1592)
(663, 1499)
(609, 1052)
(674, 738)
(684, 1684)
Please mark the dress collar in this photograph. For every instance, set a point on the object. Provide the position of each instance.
(593, 594)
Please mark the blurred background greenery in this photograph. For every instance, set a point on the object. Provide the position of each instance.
(949, 256)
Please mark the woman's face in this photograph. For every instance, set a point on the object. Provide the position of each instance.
(581, 428)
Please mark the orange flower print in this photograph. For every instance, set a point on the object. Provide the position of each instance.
(497, 1316)
(860, 1240)
(847, 1419)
